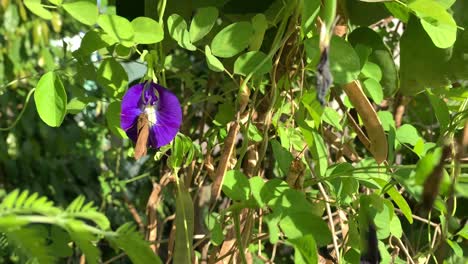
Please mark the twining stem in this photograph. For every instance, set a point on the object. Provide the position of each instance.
(21, 113)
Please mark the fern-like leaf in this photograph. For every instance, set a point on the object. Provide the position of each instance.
(18, 202)
(88, 211)
(84, 238)
(31, 243)
(133, 244)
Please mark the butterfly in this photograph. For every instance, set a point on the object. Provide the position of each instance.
(143, 130)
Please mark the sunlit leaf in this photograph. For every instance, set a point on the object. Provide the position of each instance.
(84, 11)
(202, 22)
(51, 99)
(147, 31)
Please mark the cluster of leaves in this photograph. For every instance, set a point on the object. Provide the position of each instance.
(254, 134)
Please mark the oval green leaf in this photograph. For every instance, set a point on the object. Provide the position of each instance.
(214, 63)
(36, 8)
(112, 76)
(117, 27)
(93, 41)
(253, 62)
(202, 22)
(51, 99)
(113, 119)
(344, 61)
(260, 25)
(84, 11)
(436, 21)
(147, 31)
(178, 30)
(236, 185)
(232, 39)
(373, 89)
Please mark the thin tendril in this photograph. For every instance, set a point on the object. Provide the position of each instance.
(21, 113)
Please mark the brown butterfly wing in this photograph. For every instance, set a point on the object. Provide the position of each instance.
(142, 138)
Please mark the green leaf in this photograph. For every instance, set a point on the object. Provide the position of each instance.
(417, 70)
(77, 105)
(455, 247)
(93, 41)
(259, 25)
(32, 242)
(84, 11)
(319, 153)
(118, 28)
(407, 134)
(344, 62)
(398, 199)
(254, 133)
(36, 8)
(437, 22)
(178, 30)
(60, 242)
(398, 10)
(386, 118)
(113, 119)
(214, 63)
(372, 70)
(236, 185)
(216, 230)
(426, 165)
(309, 13)
(232, 39)
(147, 31)
(177, 155)
(332, 117)
(225, 114)
(373, 89)
(184, 226)
(375, 209)
(305, 249)
(256, 186)
(55, 2)
(133, 244)
(282, 156)
(51, 99)
(80, 233)
(344, 189)
(463, 232)
(366, 39)
(314, 108)
(299, 224)
(273, 190)
(395, 227)
(441, 111)
(252, 62)
(113, 77)
(202, 22)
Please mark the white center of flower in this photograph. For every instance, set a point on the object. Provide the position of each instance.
(150, 111)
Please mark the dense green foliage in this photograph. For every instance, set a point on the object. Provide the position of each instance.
(261, 171)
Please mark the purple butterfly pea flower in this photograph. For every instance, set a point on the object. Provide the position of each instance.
(162, 108)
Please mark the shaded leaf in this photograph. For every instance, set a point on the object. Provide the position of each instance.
(232, 39)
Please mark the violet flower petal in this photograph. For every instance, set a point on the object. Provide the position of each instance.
(168, 113)
(168, 118)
